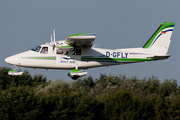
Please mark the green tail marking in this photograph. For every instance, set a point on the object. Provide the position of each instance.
(163, 26)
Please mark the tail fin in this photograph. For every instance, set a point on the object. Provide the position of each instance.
(160, 40)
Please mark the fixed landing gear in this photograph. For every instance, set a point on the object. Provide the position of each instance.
(75, 74)
(14, 72)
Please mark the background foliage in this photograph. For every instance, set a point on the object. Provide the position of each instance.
(109, 97)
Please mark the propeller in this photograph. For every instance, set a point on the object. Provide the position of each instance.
(53, 41)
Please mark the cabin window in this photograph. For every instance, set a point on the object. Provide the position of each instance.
(77, 52)
(36, 49)
(44, 50)
(64, 52)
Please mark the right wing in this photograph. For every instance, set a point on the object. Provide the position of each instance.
(75, 40)
(81, 40)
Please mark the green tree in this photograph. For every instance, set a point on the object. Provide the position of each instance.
(25, 79)
(18, 103)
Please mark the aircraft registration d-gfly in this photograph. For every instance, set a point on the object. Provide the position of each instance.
(76, 53)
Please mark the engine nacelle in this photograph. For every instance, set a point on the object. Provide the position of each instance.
(75, 74)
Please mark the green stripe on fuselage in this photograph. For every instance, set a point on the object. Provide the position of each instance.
(45, 58)
(117, 59)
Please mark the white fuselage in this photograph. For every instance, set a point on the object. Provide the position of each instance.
(79, 58)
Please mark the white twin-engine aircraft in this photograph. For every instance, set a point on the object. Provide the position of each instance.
(76, 53)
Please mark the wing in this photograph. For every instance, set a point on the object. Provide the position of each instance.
(81, 40)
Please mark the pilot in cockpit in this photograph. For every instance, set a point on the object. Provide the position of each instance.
(44, 50)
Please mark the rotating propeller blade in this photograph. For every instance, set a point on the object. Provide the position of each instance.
(54, 37)
(53, 40)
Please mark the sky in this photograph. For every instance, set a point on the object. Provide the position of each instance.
(117, 24)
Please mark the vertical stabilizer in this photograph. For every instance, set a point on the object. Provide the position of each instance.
(160, 40)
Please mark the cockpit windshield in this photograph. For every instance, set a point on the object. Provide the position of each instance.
(36, 49)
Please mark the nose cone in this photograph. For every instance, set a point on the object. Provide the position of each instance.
(11, 60)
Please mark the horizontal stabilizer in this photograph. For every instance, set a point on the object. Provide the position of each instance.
(159, 57)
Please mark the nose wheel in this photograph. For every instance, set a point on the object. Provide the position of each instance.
(14, 72)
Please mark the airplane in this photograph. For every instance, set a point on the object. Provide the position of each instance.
(76, 53)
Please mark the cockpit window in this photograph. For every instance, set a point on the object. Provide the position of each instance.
(44, 50)
(36, 49)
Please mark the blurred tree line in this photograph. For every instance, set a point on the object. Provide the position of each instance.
(29, 97)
